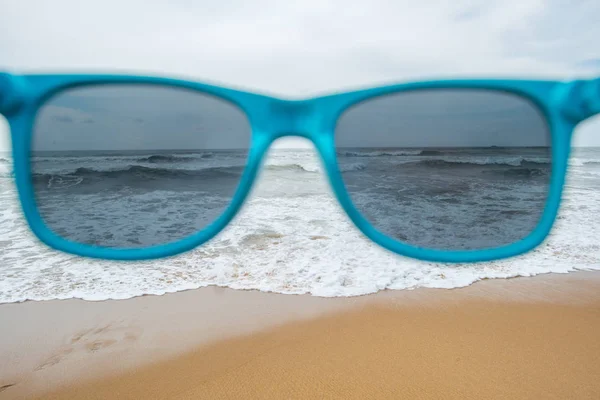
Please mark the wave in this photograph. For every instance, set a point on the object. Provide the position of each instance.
(430, 153)
(290, 167)
(523, 169)
(160, 158)
(524, 172)
(352, 167)
(399, 153)
(4, 161)
(313, 169)
(133, 172)
(582, 162)
(141, 157)
(383, 153)
(436, 153)
(515, 162)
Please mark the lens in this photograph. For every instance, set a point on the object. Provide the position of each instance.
(133, 166)
(447, 169)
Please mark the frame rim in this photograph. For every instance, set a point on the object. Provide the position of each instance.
(25, 122)
(558, 134)
(317, 123)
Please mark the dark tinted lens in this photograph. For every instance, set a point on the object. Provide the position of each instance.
(126, 166)
(447, 169)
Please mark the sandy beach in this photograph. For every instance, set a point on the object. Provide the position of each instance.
(523, 338)
(339, 200)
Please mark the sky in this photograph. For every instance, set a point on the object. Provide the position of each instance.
(297, 49)
(134, 117)
(143, 117)
(443, 118)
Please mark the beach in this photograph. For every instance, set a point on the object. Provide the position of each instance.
(519, 338)
(389, 200)
(292, 301)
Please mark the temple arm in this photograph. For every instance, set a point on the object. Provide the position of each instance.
(10, 99)
(580, 99)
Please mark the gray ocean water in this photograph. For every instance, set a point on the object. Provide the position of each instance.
(291, 237)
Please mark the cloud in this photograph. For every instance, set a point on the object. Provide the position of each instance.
(304, 48)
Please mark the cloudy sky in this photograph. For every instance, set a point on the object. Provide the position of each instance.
(139, 117)
(133, 117)
(309, 47)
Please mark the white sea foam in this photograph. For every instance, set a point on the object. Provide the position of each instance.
(298, 243)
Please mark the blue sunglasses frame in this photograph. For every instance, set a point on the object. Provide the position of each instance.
(564, 105)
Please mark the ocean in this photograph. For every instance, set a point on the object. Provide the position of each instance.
(291, 236)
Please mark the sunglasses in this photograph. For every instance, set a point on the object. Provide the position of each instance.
(134, 167)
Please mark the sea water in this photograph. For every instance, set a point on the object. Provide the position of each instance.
(291, 236)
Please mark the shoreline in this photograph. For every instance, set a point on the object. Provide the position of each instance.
(59, 343)
(308, 294)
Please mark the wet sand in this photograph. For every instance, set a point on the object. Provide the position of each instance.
(523, 338)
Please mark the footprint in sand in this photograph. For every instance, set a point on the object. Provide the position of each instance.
(102, 337)
(99, 344)
(55, 359)
(4, 387)
(77, 337)
(93, 340)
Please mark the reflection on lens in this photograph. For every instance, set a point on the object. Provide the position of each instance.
(133, 166)
(447, 169)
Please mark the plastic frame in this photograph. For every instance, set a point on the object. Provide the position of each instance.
(564, 105)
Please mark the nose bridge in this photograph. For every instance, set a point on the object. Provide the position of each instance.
(291, 118)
